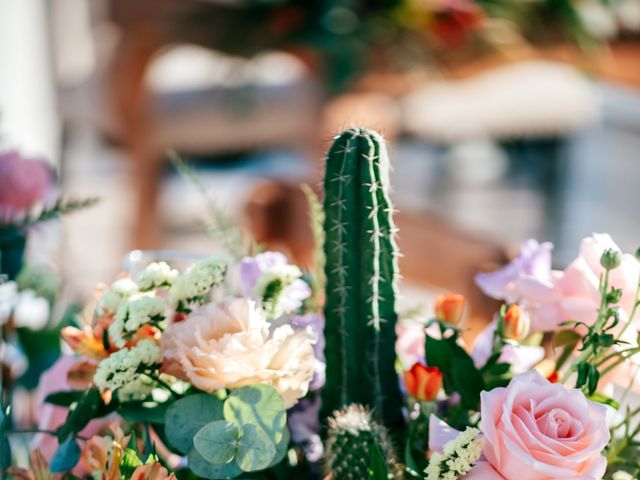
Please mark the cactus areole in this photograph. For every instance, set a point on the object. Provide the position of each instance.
(361, 271)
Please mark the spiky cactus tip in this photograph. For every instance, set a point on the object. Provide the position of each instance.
(361, 271)
(352, 439)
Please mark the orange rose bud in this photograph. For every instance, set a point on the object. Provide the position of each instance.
(423, 383)
(449, 308)
(516, 323)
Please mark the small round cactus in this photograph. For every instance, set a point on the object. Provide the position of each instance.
(353, 439)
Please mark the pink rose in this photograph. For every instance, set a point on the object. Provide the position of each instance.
(537, 430)
(23, 182)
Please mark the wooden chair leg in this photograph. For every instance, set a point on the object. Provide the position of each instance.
(132, 105)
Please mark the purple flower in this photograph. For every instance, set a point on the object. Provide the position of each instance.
(252, 268)
(532, 265)
(315, 323)
(304, 425)
(259, 272)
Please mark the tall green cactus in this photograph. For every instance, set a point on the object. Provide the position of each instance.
(361, 271)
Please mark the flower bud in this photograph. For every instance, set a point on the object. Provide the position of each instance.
(516, 323)
(423, 382)
(610, 259)
(449, 308)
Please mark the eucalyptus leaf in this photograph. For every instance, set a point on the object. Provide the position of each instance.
(211, 471)
(64, 399)
(66, 456)
(140, 412)
(185, 417)
(217, 441)
(256, 450)
(259, 405)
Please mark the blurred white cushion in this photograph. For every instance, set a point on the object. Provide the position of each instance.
(523, 100)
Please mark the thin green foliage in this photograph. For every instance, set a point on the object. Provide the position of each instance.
(218, 225)
(316, 221)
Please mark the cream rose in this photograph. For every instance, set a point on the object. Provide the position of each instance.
(230, 344)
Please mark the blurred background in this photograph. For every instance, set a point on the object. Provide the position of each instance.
(506, 120)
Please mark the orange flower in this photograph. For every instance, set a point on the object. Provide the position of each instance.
(80, 375)
(152, 471)
(38, 470)
(103, 454)
(516, 323)
(449, 308)
(423, 382)
(84, 342)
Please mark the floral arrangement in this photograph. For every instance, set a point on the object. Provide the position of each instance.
(250, 368)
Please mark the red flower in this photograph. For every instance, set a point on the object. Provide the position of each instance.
(423, 382)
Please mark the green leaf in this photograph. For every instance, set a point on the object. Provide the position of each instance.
(438, 353)
(64, 399)
(467, 379)
(89, 406)
(377, 465)
(282, 447)
(139, 412)
(602, 398)
(565, 338)
(583, 374)
(130, 461)
(185, 417)
(259, 405)
(594, 378)
(66, 456)
(217, 441)
(256, 450)
(211, 471)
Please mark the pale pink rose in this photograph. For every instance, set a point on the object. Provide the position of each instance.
(536, 430)
(230, 344)
(23, 182)
(50, 417)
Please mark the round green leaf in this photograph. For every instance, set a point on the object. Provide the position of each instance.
(217, 442)
(256, 450)
(282, 447)
(185, 417)
(212, 471)
(66, 456)
(259, 405)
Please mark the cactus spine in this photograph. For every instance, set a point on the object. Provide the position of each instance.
(353, 436)
(361, 270)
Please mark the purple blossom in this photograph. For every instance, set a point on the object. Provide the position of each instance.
(533, 264)
(315, 323)
(304, 425)
(271, 266)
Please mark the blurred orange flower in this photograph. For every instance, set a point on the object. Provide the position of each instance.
(449, 308)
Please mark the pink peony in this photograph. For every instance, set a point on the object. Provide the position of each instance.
(23, 182)
(536, 430)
